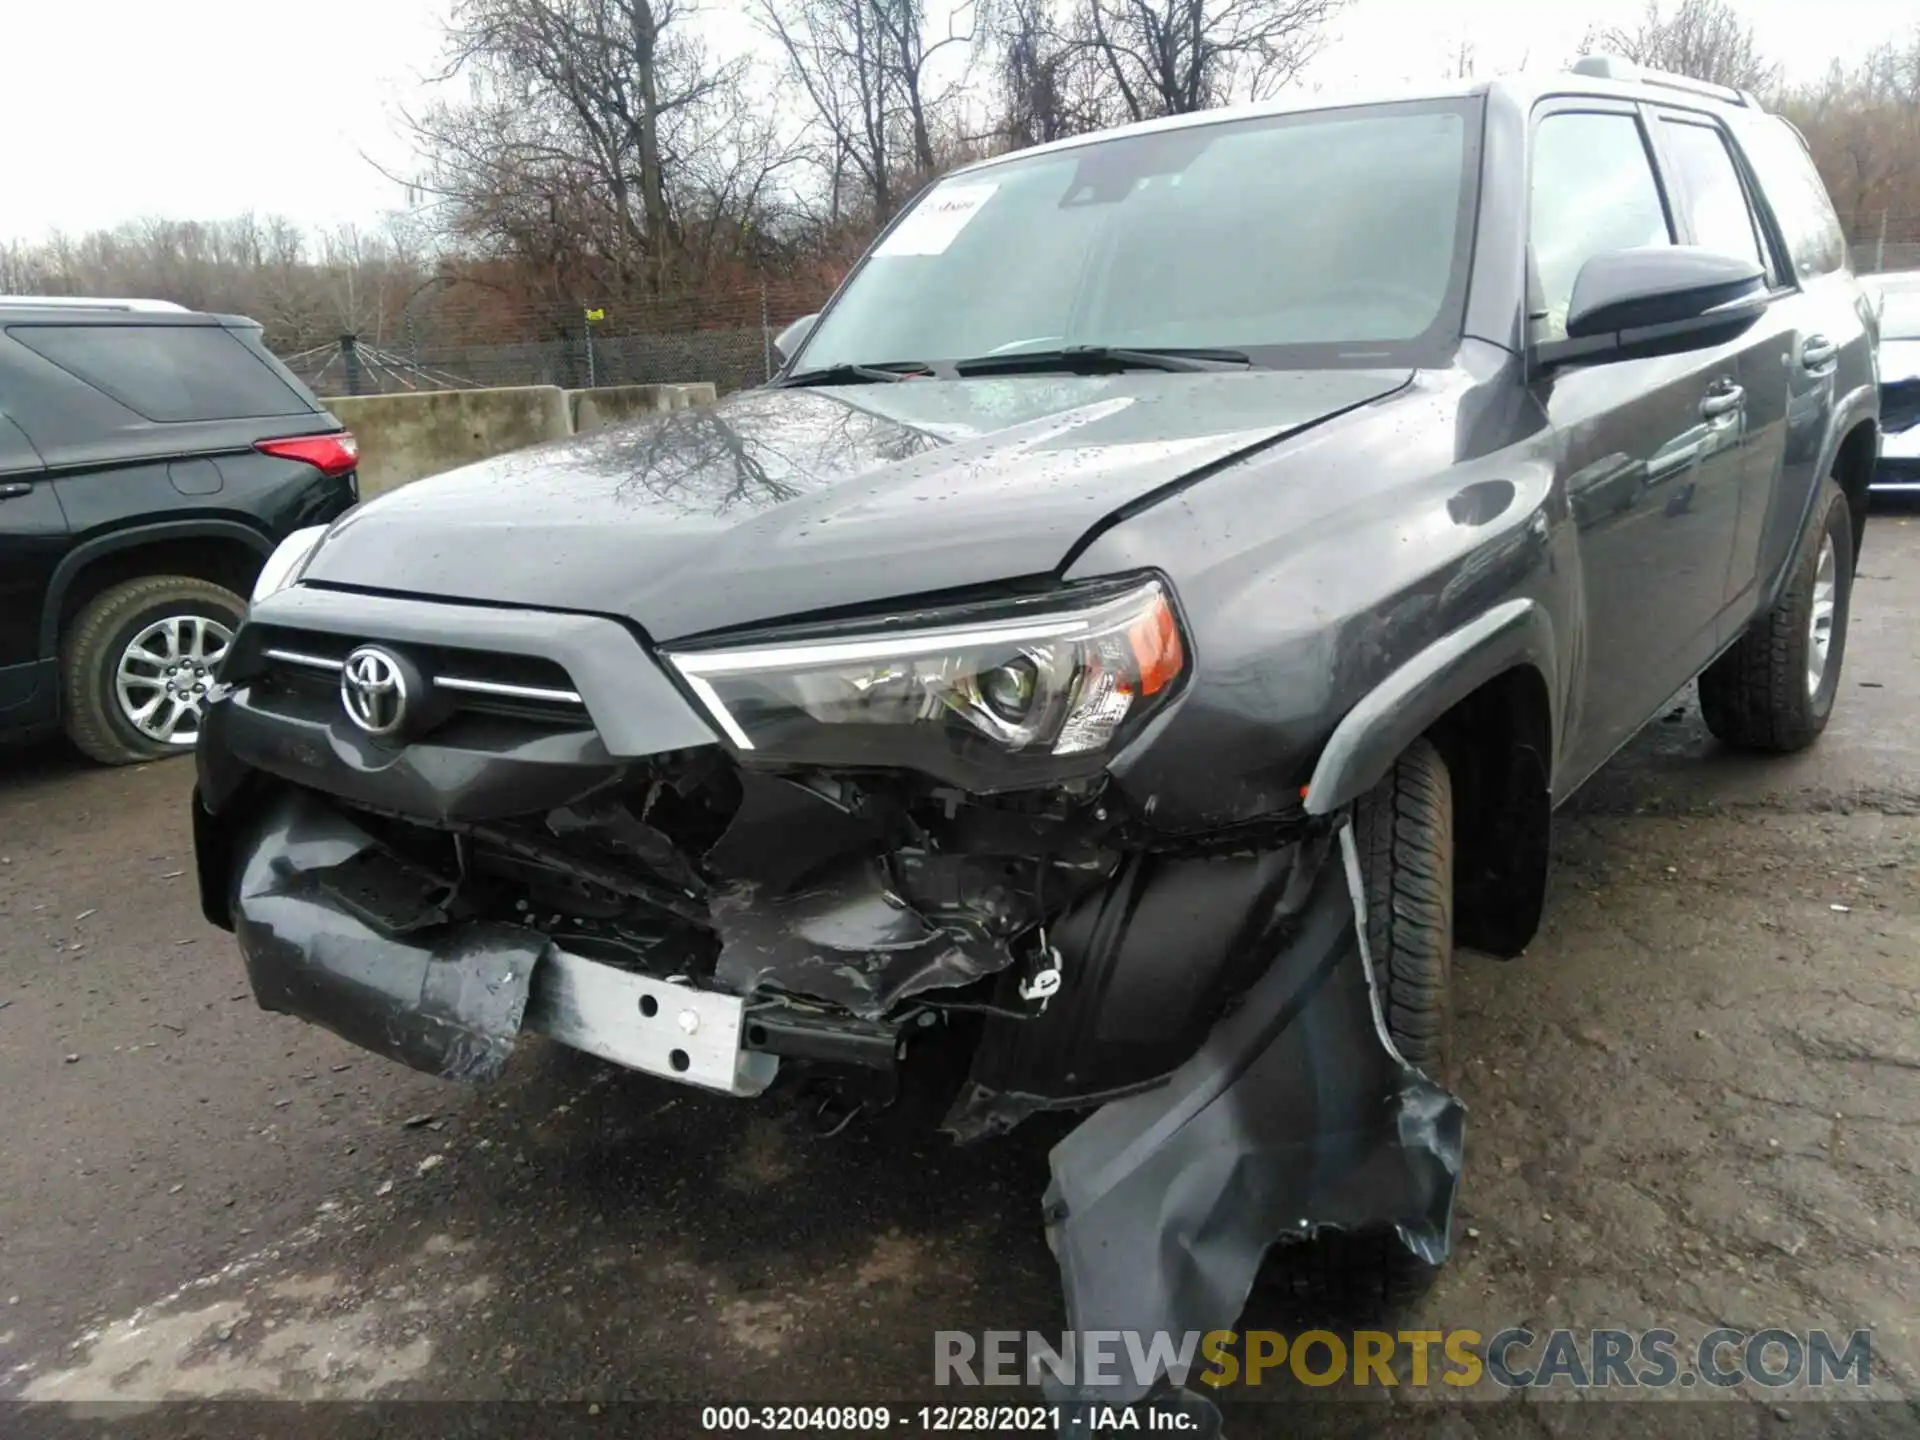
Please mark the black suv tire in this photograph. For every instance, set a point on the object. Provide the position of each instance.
(1403, 828)
(96, 644)
(1761, 694)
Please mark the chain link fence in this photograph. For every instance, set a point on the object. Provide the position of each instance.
(464, 334)
(1883, 256)
(1883, 241)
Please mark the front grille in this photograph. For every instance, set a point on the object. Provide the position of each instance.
(525, 687)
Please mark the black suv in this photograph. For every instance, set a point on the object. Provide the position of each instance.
(1149, 619)
(150, 460)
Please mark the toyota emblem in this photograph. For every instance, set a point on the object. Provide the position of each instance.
(373, 688)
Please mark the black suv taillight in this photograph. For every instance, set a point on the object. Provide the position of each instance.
(334, 454)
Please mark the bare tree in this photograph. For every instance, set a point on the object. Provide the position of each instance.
(867, 70)
(1862, 124)
(614, 69)
(594, 133)
(1171, 57)
(1703, 38)
(305, 291)
(833, 53)
(1049, 85)
(903, 30)
(23, 268)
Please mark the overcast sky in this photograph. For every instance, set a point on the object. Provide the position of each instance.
(120, 109)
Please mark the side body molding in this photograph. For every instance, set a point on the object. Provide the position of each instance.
(1398, 710)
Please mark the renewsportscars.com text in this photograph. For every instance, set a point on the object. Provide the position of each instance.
(1516, 1358)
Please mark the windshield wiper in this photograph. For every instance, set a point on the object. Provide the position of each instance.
(850, 374)
(1087, 359)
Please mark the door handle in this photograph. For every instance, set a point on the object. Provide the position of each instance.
(1722, 400)
(1678, 456)
(14, 489)
(1816, 351)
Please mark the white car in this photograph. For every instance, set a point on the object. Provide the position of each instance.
(1899, 301)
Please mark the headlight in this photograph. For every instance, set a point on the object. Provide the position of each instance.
(283, 567)
(1027, 686)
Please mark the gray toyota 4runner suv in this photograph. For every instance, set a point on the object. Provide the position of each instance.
(1146, 625)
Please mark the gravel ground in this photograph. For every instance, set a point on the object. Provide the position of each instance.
(1695, 1102)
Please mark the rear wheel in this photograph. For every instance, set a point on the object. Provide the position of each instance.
(1403, 829)
(136, 664)
(1774, 689)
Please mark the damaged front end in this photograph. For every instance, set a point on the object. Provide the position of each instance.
(668, 905)
(839, 916)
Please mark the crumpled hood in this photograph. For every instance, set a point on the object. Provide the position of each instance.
(780, 502)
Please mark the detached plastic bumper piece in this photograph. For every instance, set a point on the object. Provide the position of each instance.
(1295, 1118)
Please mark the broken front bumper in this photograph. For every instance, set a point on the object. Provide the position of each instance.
(1295, 1118)
(453, 1004)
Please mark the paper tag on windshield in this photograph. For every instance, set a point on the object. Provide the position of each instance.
(937, 220)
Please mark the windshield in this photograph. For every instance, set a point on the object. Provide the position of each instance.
(1900, 319)
(1333, 237)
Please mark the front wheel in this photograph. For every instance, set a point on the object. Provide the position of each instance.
(1774, 689)
(137, 662)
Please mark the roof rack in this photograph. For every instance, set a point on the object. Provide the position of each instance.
(1613, 67)
(85, 302)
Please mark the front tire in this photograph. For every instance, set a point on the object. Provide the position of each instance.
(1403, 829)
(136, 664)
(1774, 690)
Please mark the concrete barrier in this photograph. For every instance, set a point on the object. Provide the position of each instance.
(408, 437)
(404, 438)
(611, 404)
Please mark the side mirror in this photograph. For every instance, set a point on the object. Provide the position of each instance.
(1657, 300)
(789, 340)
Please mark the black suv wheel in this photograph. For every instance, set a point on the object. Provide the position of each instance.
(136, 662)
(1774, 689)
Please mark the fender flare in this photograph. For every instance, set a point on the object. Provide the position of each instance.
(85, 553)
(1403, 706)
(1861, 403)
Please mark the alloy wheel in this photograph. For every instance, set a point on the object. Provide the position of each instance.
(164, 673)
(1820, 620)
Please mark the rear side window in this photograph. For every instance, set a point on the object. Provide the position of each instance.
(1797, 197)
(166, 372)
(1722, 219)
(1593, 191)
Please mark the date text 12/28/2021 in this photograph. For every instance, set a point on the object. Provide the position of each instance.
(939, 1419)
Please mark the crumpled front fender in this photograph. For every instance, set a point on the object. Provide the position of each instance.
(1296, 1117)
